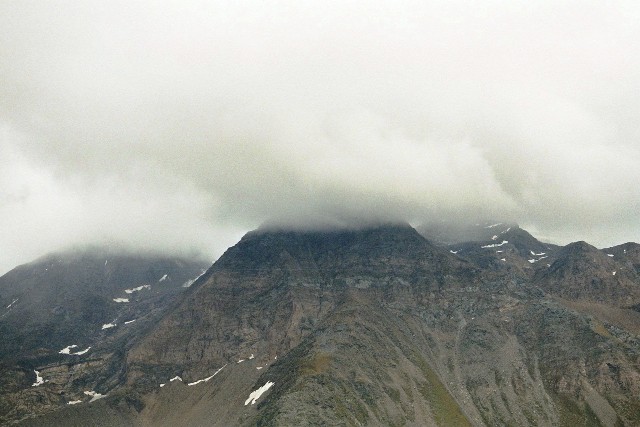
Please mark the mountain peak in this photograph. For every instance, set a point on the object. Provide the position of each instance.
(447, 233)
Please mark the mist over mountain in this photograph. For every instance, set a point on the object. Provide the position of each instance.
(179, 127)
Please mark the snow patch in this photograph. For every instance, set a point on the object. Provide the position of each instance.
(12, 302)
(206, 379)
(80, 353)
(163, 278)
(535, 254)
(493, 225)
(258, 368)
(121, 299)
(67, 349)
(192, 281)
(176, 378)
(108, 325)
(495, 237)
(74, 402)
(503, 259)
(454, 252)
(139, 288)
(251, 357)
(39, 379)
(495, 245)
(241, 360)
(130, 321)
(614, 273)
(94, 395)
(255, 395)
(610, 255)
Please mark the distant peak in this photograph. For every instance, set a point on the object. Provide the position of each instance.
(580, 245)
(331, 227)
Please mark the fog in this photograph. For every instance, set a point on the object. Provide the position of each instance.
(178, 126)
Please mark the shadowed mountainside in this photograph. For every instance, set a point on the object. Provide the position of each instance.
(69, 316)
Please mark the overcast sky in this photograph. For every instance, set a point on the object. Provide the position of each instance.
(178, 126)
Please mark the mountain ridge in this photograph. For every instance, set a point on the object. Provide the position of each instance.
(379, 326)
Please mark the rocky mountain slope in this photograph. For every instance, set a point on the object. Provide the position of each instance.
(64, 316)
(379, 326)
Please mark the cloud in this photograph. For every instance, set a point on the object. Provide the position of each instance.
(177, 125)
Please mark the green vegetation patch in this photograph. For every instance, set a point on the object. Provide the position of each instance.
(443, 406)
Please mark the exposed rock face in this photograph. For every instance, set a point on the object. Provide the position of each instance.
(511, 249)
(53, 315)
(381, 327)
(269, 291)
(582, 272)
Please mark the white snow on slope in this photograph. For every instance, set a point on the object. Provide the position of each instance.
(495, 245)
(121, 299)
(67, 350)
(610, 255)
(74, 402)
(139, 288)
(208, 378)
(535, 254)
(192, 281)
(129, 321)
(163, 278)
(94, 395)
(255, 395)
(454, 252)
(176, 378)
(108, 325)
(614, 273)
(12, 302)
(39, 379)
(493, 225)
(536, 260)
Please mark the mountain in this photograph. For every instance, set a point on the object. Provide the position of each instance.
(512, 248)
(380, 326)
(445, 233)
(66, 313)
(582, 272)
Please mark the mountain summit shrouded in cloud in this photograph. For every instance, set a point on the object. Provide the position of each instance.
(176, 126)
